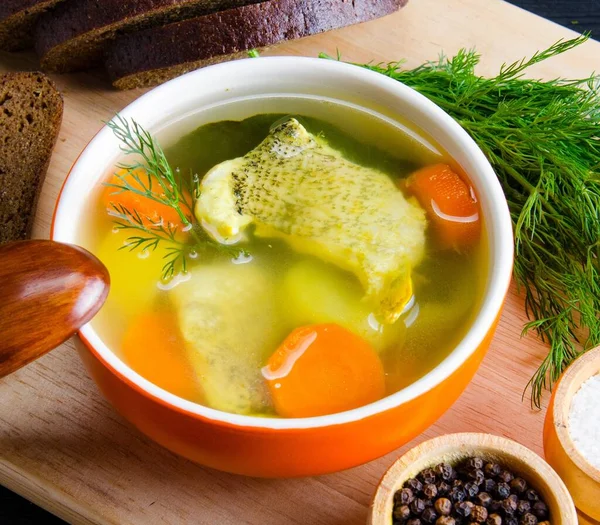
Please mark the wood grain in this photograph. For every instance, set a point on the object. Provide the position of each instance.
(61, 444)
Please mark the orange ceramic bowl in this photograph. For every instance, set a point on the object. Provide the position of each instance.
(292, 447)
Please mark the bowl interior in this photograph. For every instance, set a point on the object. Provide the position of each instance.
(204, 89)
(453, 448)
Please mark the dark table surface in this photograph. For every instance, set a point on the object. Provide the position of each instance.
(579, 15)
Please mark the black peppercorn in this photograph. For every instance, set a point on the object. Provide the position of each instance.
(539, 510)
(417, 506)
(518, 485)
(429, 515)
(484, 499)
(488, 485)
(444, 471)
(474, 463)
(528, 519)
(495, 506)
(494, 519)
(472, 489)
(404, 496)
(470, 493)
(477, 476)
(492, 469)
(401, 512)
(503, 490)
(479, 514)
(532, 495)
(509, 505)
(430, 490)
(463, 509)
(443, 506)
(505, 476)
(415, 485)
(442, 488)
(457, 494)
(427, 476)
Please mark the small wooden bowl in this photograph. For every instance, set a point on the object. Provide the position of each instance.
(582, 478)
(586, 520)
(452, 448)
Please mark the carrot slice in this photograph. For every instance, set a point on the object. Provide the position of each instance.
(450, 204)
(153, 347)
(150, 211)
(323, 369)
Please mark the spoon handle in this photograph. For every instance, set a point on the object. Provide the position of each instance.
(48, 290)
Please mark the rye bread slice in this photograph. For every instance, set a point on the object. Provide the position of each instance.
(152, 56)
(75, 35)
(30, 115)
(17, 20)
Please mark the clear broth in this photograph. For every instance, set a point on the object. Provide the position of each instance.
(448, 286)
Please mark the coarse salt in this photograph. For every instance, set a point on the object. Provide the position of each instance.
(584, 420)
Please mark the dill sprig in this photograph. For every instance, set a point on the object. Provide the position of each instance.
(151, 177)
(543, 140)
(151, 161)
(149, 236)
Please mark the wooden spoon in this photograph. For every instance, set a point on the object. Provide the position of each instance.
(48, 290)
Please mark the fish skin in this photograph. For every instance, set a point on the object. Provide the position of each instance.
(227, 314)
(296, 187)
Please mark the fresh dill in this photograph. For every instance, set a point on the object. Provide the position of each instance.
(135, 140)
(151, 177)
(149, 236)
(543, 140)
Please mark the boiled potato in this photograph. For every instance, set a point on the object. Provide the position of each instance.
(315, 292)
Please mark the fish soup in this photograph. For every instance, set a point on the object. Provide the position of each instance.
(290, 258)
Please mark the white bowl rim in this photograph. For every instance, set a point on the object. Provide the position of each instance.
(501, 244)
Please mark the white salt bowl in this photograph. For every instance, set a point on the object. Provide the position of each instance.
(579, 475)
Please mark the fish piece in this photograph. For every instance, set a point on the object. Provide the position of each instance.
(226, 313)
(295, 186)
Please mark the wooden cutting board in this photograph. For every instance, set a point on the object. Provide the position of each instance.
(63, 447)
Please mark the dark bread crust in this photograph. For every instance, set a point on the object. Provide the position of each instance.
(17, 20)
(11, 7)
(30, 116)
(155, 55)
(75, 35)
